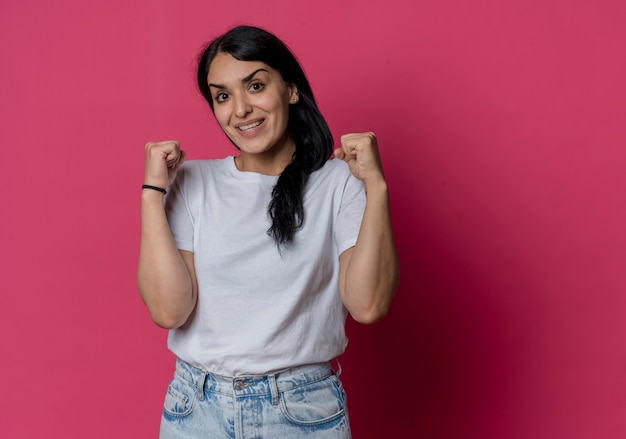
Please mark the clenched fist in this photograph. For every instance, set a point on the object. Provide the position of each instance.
(162, 162)
(360, 152)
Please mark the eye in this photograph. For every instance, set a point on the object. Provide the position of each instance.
(256, 86)
(221, 97)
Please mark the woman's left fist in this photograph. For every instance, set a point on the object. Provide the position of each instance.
(360, 152)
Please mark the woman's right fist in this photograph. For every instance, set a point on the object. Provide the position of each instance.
(162, 162)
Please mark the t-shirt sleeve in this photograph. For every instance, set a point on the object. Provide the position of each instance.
(178, 211)
(350, 214)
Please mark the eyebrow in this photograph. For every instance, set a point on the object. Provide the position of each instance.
(243, 80)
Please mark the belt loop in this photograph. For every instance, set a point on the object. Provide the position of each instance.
(338, 373)
(273, 388)
(202, 384)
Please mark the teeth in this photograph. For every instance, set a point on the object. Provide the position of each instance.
(249, 127)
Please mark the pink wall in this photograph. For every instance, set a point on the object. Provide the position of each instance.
(502, 127)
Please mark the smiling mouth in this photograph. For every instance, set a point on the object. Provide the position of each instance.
(250, 126)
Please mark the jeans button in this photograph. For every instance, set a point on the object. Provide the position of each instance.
(239, 385)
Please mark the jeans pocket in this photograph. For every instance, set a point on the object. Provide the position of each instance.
(180, 398)
(315, 403)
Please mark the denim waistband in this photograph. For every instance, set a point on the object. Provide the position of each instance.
(259, 385)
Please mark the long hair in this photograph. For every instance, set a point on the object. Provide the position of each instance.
(307, 126)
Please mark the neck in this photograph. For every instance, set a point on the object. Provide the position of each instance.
(269, 163)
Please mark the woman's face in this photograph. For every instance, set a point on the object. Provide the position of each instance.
(251, 104)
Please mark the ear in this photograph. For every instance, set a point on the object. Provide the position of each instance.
(294, 95)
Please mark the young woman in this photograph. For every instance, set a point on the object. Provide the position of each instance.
(253, 261)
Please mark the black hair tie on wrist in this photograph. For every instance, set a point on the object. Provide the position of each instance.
(154, 188)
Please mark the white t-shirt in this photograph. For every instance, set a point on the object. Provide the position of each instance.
(259, 311)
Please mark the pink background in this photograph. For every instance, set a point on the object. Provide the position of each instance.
(502, 129)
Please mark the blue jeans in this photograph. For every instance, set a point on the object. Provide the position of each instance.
(307, 401)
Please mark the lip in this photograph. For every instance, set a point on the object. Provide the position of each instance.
(250, 132)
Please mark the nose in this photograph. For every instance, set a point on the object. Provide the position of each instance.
(242, 106)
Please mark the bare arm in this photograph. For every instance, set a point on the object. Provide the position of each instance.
(165, 276)
(369, 271)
